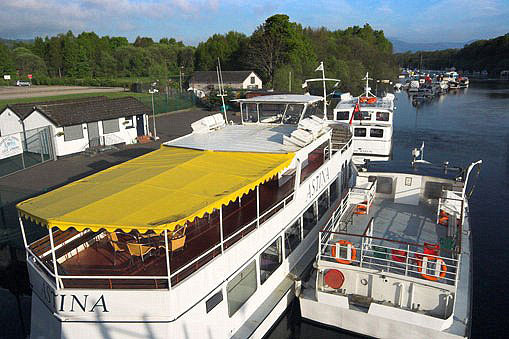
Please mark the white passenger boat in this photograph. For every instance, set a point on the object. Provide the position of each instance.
(372, 123)
(202, 238)
(395, 261)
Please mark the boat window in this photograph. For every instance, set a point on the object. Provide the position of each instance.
(334, 190)
(316, 158)
(362, 115)
(241, 287)
(293, 237)
(343, 115)
(214, 301)
(270, 260)
(271, 113)
(359, 132)
(323, 204)
(293, 112)
(309, 219)
(382, 116)
(376, 133)
(314, 109)
(433, 190)
(249, 113)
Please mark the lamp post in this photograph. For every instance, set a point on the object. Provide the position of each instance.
(152, 91)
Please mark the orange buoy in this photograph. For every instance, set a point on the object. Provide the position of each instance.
(371, 100)
(335, 253)
(334, 279)
(422, 271)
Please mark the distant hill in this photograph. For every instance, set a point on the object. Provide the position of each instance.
(400, 46)
(11, 42)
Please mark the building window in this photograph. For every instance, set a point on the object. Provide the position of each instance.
(73, 132)
(241, 287)
(252, 80)
(359, 132)
(309, 219)
(270, 260)
(129, 122)
(376, 133)
(110, 126)
(293, 237)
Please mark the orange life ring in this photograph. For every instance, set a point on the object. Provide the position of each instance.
(361, 208)
(363, 99)
(444, 218)
(443, 268)
(371, 100)
(344, 261)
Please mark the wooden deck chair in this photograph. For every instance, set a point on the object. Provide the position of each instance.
(178, 243)
(116, 249)
(114, 236)
(139, 250)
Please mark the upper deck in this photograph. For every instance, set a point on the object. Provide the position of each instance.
(348, 102)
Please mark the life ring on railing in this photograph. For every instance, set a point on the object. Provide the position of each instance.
(424, 262)
(349, 246)
(363, 99)
(371, 100)
(361, 208)
(444, 218)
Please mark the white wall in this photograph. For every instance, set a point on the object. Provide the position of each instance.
(247, 83)
(10, 123)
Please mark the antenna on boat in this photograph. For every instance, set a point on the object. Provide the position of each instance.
(323, 79)
(221, 87)
(419, 153)
(367, 88)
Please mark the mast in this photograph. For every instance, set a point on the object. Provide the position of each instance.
(221, 89)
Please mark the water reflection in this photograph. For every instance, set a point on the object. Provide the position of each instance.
(462, 126)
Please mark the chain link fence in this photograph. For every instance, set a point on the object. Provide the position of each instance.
(169, 102)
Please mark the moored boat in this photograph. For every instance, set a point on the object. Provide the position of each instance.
(204, 237)
(396, 261)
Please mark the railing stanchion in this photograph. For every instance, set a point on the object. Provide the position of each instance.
(406, 260)
(221, 227)
(258, 206)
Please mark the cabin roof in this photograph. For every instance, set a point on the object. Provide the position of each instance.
(156, 191)
(262, 138)
(283, 99)
(424, 169)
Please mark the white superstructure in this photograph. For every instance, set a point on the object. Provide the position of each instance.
(113, 266)
(372, 125)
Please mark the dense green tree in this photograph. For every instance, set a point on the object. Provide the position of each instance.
(6, 60)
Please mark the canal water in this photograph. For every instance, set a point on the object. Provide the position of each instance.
(460, 127)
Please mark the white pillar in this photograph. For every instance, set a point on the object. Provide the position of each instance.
(22, 230)
(55, 270)
(258, 206)
(221, 227)
(167, 257)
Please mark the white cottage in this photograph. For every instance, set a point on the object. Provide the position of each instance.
(207, 80)
(80, 124)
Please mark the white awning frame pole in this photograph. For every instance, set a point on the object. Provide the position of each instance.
(167, 257)
(23, 231)
(55, 269)
(258, 206)
(221, 227)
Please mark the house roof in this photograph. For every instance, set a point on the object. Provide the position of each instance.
(23, 110)
(78, 111)
(228, 76)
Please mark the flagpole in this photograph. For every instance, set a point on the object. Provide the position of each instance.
(324, 92)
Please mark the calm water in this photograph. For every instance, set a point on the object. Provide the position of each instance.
(459, 127)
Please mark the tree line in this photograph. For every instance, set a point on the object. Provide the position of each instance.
(491, 55)
(275, 49)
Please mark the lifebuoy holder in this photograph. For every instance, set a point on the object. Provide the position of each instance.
(440, 268)
(351, 252)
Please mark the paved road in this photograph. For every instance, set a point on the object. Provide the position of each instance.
(13, 92)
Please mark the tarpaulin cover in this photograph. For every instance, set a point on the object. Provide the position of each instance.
(156, 191)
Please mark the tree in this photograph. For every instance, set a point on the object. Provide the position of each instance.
(143, 42)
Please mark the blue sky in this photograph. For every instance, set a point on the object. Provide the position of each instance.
(193, 21)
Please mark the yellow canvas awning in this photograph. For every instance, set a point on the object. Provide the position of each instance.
(156, 191)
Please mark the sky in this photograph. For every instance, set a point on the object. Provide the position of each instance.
(192, 21)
